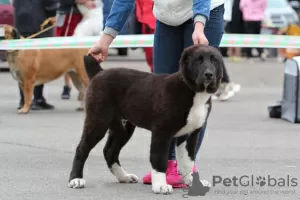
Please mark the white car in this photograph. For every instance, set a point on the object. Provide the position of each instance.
(279, 13)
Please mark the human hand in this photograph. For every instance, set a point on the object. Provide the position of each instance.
(198, 34)
(53, 20)
(100, 49)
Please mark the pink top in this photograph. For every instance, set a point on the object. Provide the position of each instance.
(253, 10)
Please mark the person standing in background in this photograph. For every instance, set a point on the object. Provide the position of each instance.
(68, 16)
(28, 17)
(147, 20)
(236, 26)
(253, 14)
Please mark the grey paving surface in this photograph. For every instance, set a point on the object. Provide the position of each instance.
(36, 150)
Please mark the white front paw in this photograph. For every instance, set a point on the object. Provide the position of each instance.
(129, 178)
(77, 183)
(162, 189)
(188, 179)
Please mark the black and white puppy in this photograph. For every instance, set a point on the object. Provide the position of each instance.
(175, 105)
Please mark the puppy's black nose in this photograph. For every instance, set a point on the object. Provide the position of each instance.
(208, 75)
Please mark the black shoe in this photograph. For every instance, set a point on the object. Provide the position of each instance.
(66, 93)
(41, 105)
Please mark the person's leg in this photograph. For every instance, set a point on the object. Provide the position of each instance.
(38, 92)
(257, 31)
(167, 49)
(166, 56)
(21, 103)
(248, 30)
(148, 50)
(213, 31)
(39, 102)
(68, 29)
(67, 87)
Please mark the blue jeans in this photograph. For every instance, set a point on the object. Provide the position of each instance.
(169, 43)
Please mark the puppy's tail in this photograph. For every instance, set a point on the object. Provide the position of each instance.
(91, 65)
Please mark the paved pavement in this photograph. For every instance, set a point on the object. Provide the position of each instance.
(36, 150)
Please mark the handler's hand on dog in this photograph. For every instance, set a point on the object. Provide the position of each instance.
(100, 49)
(198, 34)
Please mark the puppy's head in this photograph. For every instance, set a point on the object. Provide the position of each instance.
(201, 67)
(8, 32)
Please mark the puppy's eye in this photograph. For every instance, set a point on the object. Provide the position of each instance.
(200, 58)
(213, 59)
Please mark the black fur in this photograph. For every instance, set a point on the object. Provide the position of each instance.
(159, 103)
(91, 66)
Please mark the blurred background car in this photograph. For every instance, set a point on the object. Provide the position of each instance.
(6, 17)
(278, 14)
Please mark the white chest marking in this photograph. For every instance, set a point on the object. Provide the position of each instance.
(197, 114)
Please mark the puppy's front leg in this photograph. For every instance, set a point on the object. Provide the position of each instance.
(185, 153)
(27, 92)
(159, 160)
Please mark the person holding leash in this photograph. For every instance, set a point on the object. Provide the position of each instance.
(181, 25)
(28, 17)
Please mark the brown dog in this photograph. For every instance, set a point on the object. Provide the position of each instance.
(175, 105)
(39, 66)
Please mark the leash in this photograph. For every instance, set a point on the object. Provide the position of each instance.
(69, 21)
(43, 29)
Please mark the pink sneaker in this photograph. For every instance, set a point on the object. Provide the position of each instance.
(173, 178)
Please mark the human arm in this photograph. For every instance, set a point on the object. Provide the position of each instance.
(201, 10)
(115, 21)
(118, 16)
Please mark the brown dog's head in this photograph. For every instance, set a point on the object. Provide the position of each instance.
(202, 68)
(8, 32)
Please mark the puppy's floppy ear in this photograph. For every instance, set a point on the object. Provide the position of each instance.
(15, 34)
(187, 74)
(184, 59)
(220, 72)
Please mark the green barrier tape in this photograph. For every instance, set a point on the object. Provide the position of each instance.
(127, 41)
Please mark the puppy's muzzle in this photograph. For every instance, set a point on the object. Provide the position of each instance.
(208, 77)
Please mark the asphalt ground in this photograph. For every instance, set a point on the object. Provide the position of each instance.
(37, 149)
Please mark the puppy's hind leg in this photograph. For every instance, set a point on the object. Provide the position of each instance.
(94, 130)
(119, 135)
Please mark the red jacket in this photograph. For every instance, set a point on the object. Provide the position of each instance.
(144, 12)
